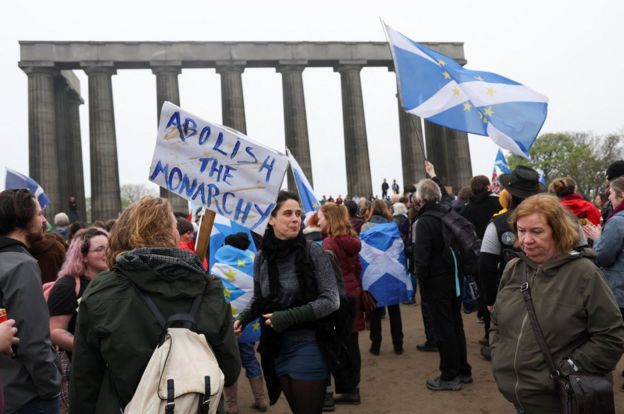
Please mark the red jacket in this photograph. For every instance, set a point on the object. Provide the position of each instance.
(347, 249)
(581, 208)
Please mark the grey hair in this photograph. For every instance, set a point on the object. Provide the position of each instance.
(428, 191)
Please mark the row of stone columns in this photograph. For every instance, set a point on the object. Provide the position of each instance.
(54, 132)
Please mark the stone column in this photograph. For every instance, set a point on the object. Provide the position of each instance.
(356, 144)
(232, 101)
(412, 148)
(295, 119)
(167, 90)
(76, 176)
(105, 194)
(437, 150)
(63, 141)
(42, 147)
(459, 158)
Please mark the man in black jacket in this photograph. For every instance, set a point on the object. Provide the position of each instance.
(440, 281)
(31, 380)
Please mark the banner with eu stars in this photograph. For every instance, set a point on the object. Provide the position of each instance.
(435, 87)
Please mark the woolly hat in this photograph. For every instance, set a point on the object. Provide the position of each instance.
(238, 240)
(615, 170)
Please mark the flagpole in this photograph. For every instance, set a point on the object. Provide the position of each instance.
(203, 236)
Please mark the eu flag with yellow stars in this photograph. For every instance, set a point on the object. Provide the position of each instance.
(234, 267)
(435, 87)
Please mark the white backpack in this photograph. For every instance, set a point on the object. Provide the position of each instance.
(183, 375)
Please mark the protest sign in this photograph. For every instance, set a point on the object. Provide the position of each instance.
(225, 170)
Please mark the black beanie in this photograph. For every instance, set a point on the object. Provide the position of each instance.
(615, 170)
(238, 240)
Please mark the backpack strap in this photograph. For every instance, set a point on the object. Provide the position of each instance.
(185, 320)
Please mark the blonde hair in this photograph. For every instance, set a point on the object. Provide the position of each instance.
(146, 223)
(565, 229)
(338, 222)
(380, 208)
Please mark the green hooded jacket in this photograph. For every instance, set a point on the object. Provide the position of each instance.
(116, 333)
(578, 315)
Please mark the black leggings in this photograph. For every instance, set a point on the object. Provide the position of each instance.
(304, 397)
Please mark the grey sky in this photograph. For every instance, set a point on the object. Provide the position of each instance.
(570, 51)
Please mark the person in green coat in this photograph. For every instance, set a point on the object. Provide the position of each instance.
(116, 333)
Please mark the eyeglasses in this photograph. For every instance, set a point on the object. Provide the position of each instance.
(100, 249)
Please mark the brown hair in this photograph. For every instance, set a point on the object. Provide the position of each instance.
(479, 184)
(617, 185)
(338, 222)
(146, 223)
(562, 186)
(564, 226)
(313, 221)
(380, 208)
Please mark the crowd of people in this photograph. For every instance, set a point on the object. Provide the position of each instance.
(80, 299)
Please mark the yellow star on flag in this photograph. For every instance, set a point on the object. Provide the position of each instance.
(467, 106)
(252, 256)
(234, 310)
(231, 275)
(455, 91)
(227, 293)
(256, 326)
(240, 263)
(441, 62)
(490, 91)
(488, 111)
(479, 78)
(446, 75)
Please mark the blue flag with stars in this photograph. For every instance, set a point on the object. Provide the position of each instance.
(435, 87)
(306, 193)
(234, 267)
(384, 271)
(222, 228)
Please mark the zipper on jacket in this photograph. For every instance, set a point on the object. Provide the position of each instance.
(516, 359)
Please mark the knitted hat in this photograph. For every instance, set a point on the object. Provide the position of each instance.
(239, 240)
(615, 170)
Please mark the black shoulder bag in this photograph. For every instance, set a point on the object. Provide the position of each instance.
(578, 393)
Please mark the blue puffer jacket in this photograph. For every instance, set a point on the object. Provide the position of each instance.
(610, 255)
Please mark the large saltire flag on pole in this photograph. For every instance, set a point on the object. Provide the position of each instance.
(235, 269)
(15, 180)
(384, 271)
(306, 192)
(435, 87)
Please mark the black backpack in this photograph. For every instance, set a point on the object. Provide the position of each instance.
(460, 234)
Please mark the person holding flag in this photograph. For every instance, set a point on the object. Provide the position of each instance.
(234, 267)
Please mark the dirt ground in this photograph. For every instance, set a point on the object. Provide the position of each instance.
(396, 383)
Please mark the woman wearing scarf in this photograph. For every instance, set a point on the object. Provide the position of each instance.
(294, 286)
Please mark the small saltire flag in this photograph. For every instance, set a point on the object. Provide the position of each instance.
(500, 165)
(306, 192)
(384, 273)
(15, 180)
(435, 87)
(235, 269)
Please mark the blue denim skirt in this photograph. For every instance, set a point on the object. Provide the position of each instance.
(301, 360)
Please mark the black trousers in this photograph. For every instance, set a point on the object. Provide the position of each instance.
(355, 361)
(396, 327)
(448, 326)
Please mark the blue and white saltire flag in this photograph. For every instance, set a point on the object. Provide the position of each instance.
(384, 271)
(435, 87)
(306, 192)
(500, 165)
(234, 267)
(15, 180)
(222, 228)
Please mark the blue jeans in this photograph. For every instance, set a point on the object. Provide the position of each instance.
(249, 360)
(40, 406)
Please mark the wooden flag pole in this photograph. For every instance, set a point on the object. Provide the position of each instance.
(203, 239)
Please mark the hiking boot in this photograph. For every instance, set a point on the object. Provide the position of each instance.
(427, 347)
(486, 353)
(349, 398)
(374, 350)
(438, 384)
(398, 350)
(465, 379)
(231, 403)
(328, 402)
(257, 388)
